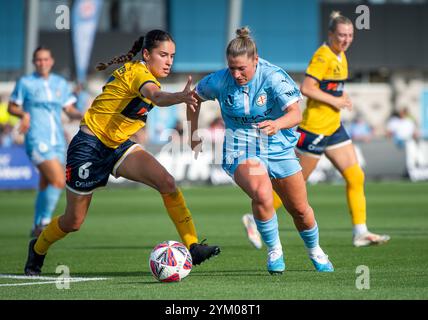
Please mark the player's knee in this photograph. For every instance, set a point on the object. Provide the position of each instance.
(59, 183)
(263, 196)
(300, 210)
(354, 176)
(167, 184)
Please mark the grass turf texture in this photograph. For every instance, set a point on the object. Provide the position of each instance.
(123, 225)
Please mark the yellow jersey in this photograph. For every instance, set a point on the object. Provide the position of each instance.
(120, 110)
(330, 71)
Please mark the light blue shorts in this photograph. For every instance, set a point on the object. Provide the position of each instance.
(41, 151)
(276, 166)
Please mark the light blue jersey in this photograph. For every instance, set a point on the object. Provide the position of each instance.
(43, 99)
(265, 97)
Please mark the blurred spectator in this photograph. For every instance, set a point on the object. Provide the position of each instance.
(401, 127)
(83, 98)
(177, 133)
(360, 130)
(160, 122)
(216, 129)
(83, 102)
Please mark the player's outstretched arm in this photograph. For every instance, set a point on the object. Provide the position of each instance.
(164, 99)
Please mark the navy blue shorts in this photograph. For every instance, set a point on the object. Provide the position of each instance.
(316, 144)
(90, 162)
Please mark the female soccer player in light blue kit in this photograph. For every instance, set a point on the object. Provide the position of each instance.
(38, 99)
(259, 105)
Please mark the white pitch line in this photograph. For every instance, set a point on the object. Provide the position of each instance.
(50, 280)
(41, 282)
(25, 283)
(13, 276)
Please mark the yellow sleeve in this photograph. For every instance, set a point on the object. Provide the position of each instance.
(318, 66)
(141, 78)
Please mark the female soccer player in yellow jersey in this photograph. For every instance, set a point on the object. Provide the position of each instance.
(321, 131)
(102, 146)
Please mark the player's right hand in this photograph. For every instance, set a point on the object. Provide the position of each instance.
(25, 123)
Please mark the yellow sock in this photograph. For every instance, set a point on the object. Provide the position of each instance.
(277, 203)
(49, 235)
(181, 216)
(354, 177)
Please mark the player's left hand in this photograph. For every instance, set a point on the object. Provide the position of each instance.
(268, 127)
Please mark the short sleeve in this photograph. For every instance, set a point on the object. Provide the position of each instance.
(207, 88)
(141, 78)
(17, 95)
(317, 66)
(285, 90)
(68, 97)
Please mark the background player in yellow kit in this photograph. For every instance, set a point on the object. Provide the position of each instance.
(102, 146)
(321, 131)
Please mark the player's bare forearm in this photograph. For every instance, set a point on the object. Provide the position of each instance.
(15, 110)
(73, 113)
(316, 93)
(192, 119)
(18, 111)
(291, 118)
(165, 99)
(310, 89)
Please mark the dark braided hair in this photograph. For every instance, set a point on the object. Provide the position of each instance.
(148, 42)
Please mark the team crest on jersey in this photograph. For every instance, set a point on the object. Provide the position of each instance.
(261, 100)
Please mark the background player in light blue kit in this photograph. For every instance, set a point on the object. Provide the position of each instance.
(38, 99)
(260, 106)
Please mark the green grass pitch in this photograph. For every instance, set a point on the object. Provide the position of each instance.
(123, 225)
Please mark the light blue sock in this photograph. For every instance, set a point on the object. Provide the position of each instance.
(40, 207)
(52, 197)
(269, 232)
(310, 237)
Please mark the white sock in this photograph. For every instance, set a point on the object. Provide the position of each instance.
(277, 248)
(315, 251)
(359, 229)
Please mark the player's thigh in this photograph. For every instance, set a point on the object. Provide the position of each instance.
(342, 157)
(75, 210)
(251, 176)
(292, 191)
(141, 166)
(308, 163)
(52, 172)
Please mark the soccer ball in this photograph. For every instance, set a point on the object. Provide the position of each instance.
(170, 261)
